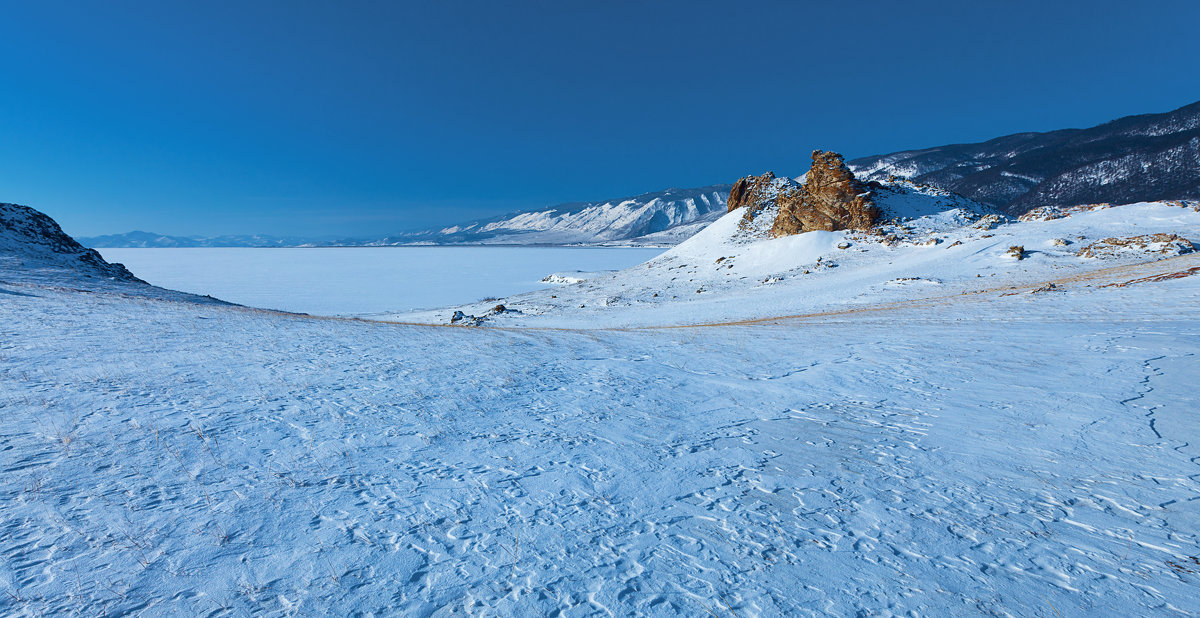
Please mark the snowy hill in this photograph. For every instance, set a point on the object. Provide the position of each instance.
(933, 243)
(35, 253)
(1137, 158)
(33, 243)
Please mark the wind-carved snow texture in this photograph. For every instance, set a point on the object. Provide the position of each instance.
(954, 458)
(992, 449)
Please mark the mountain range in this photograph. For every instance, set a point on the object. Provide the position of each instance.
(662, 218)
(1132, 159)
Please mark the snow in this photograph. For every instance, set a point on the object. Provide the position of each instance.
(655, 219)
(726, 273)
(571, 276)
(359, 281)
(922, 441)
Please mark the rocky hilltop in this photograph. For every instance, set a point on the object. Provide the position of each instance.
(35, 252)
(1141, 158)
(30, 240)
(830, 199)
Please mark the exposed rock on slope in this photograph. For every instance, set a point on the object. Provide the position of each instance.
(753, 191)
(830, 199)
(31, 240)
(1133, 159)
(1167, 245)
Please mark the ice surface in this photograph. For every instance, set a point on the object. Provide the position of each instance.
(355, 281)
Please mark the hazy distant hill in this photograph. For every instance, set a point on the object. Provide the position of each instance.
(138, 239)
(1132, 159)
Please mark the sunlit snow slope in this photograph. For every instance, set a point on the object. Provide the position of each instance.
(935, 244)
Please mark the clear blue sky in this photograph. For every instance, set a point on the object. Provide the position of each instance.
(361, 118)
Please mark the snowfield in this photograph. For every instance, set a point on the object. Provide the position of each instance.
(920, 441)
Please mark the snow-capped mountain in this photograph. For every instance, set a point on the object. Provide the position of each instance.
(660, 218)
(1137, 158)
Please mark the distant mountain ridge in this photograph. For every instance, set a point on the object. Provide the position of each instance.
(1132, 159)
(657, 218)
(646, 216)
(140, 239)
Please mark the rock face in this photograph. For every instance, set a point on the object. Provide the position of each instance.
(751, 191)
(831, 199)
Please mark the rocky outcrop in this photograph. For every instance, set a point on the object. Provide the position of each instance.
(831, 199)
(751, 191)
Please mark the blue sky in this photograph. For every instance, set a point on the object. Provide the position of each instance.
(363, 118)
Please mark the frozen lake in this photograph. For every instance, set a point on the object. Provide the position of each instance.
(363, 280)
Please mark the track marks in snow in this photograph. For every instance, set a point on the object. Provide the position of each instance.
(295, 466)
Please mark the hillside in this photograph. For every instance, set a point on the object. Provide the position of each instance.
(33, 244)
(1140, 158)
(932, 244)
(36, 253)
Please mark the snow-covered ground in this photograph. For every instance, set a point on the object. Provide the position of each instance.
(983, 448)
